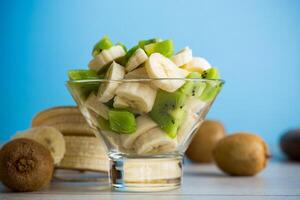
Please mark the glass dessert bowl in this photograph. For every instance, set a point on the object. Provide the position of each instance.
(146, 130)
(146, 104)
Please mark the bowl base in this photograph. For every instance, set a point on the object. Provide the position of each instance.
(146, 174)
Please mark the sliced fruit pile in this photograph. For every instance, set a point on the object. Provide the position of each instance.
(148, 95)
(73, 144)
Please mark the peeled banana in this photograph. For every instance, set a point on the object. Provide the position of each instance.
(137, 58)
(107, 89)
(54, 112)
(197, 64)
(185, 72)
(183, 57)
(95, 105)
(106, 56)
(49, 137)
(139, 73)
(84, 163)
(145, 170)
(119, 102)
(187, 126)
(191, 122)
(84, 153)
(144, 123)
(153, 141)
(195, 104)
(139, 96)
(84, 146)
(160, 67)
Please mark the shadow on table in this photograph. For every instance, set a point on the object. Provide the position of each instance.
(205, 174)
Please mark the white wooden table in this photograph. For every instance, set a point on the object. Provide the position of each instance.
(281, 180)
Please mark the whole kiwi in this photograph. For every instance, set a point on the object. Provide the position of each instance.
(290, 144)
(201, 147)
(25, 165)
(241, 154)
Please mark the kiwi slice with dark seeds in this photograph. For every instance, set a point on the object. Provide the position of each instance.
(212, 88)
(193, 87)
(168, 111)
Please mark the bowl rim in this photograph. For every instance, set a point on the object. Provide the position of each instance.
(221, 81)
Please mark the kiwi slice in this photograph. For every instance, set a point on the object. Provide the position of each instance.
(164, 47)
(211, 89)
(81, 74)
(211, 73)
(122, 45)
(122, 121)
(168, 111)
(193, 87)
(104, 43)
(143, 43)
(82, 90)
(103, 123)
(129, 54)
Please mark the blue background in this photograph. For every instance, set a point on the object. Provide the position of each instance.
(254, 43)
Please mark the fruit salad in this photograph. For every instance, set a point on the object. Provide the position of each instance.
(145, 100)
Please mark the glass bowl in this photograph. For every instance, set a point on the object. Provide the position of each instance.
(146, 148)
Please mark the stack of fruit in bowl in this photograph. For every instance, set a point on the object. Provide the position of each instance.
(147, 100)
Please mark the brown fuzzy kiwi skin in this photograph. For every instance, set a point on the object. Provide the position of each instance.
(25, 165)
(290, 144)
(241, 154)
(208, 135)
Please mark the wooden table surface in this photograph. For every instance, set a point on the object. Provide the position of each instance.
(281, 180)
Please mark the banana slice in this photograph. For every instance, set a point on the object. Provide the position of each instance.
(183, 57)
(85, 146)
(74, 128)
(94, 65)
(189, 124)
(146, 170)
(158, 66)
(194, 107)
(95, 105)
(137, 73)
(194, 104)
(83, 163)
(106, 56)
(185, 72)
(138, 58)
(119, 102)
(67, 118)
(112, 140)
(144, 124)
(49, 137)
(155, 140)
(54, 112)
(139, 96)
(107, 89)
(197, 64)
